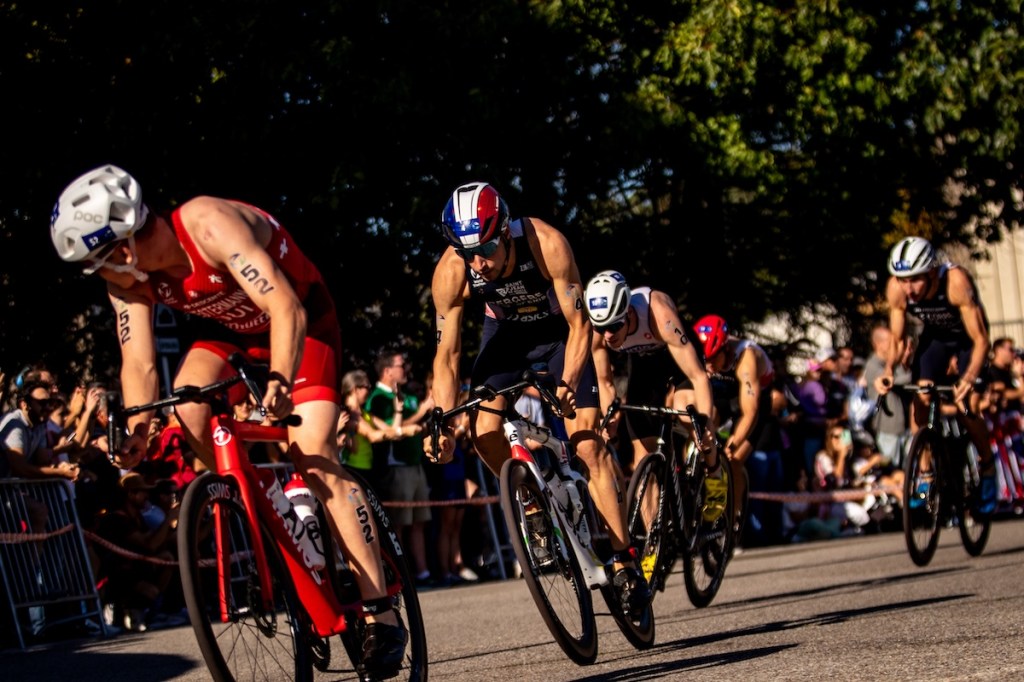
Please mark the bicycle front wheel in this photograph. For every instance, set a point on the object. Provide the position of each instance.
(647, 520)
(974, 529)
(550, 568)
(404, 598)
(922, 496)
(711, 539)
(240, 637)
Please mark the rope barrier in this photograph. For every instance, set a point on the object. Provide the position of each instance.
(19, 538)
(125, 552)
(831, 496)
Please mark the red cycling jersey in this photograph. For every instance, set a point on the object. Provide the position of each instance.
(213, 293)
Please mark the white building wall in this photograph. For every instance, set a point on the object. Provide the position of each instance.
(1001, 287)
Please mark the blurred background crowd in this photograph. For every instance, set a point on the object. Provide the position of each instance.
(825, 433)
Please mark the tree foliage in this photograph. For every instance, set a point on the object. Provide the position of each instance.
(750, 159)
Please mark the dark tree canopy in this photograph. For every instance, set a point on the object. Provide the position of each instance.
(704, 148)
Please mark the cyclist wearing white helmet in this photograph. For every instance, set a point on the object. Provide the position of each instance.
(525, 273)
(234, 263)
(664, 368)
(944, 299)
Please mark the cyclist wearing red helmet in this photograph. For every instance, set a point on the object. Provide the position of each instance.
(664, 367)
(526, 275)
(742, 375)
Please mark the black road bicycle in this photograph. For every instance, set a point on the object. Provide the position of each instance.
(664, 509)
(942, 482)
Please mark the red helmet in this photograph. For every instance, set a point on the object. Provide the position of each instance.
(712, 331)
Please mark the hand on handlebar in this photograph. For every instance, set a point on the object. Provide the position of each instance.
(961, 389)
(133, 451)
(445, 446)
(566, 401)
(278, 400)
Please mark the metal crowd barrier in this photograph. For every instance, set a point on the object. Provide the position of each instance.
(47, 576)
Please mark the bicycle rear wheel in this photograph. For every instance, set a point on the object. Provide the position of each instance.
(922, 496)
(710, 543)
(401, 587)
(550, 568)
(647, 520)
(646, 529)
(974, 529)
(240, 638)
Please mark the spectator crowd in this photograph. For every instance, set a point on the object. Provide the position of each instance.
(825, 433)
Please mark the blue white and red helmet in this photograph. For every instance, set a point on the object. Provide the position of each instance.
(475, 214)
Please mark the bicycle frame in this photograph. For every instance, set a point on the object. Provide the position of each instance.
(515, 429)
(314, 587)
(665, 444)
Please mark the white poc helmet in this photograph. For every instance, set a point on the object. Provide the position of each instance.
(911, 256)
(607, 298)
(94, 211)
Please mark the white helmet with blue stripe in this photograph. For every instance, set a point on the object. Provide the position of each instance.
(607, 298)
(911, 256)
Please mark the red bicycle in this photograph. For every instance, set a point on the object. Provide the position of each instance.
(260, 602)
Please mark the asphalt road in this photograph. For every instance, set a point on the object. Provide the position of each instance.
(850, 609)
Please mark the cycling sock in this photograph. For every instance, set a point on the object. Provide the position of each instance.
(375, 607)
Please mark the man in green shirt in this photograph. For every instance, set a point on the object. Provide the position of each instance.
(391, 409)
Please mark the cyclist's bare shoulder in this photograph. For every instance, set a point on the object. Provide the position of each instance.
(213, 223)
(895, 296)
(450, 284)
(551, 249)
(664, 319)
(960, 287)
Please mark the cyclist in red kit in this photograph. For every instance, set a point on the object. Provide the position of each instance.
(234, 263)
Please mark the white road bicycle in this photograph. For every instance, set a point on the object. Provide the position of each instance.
(546, 506)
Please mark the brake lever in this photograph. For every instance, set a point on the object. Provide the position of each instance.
(612, 409)
(241, 366)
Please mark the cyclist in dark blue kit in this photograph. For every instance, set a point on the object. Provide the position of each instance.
(525, 273)
(944, 298)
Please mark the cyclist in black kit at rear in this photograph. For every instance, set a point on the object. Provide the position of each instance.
(945, 299)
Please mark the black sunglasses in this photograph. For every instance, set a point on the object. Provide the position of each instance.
(610, 328)
(485, 250)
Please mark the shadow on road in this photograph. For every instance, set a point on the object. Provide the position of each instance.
(104, 665)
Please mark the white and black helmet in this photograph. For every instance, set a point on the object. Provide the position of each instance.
(95, 210)
(911, 256)
(607, 298)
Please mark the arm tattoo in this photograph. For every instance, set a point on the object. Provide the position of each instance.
(673, 329)
(746, 381)
(124, 330)
(250, 273)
